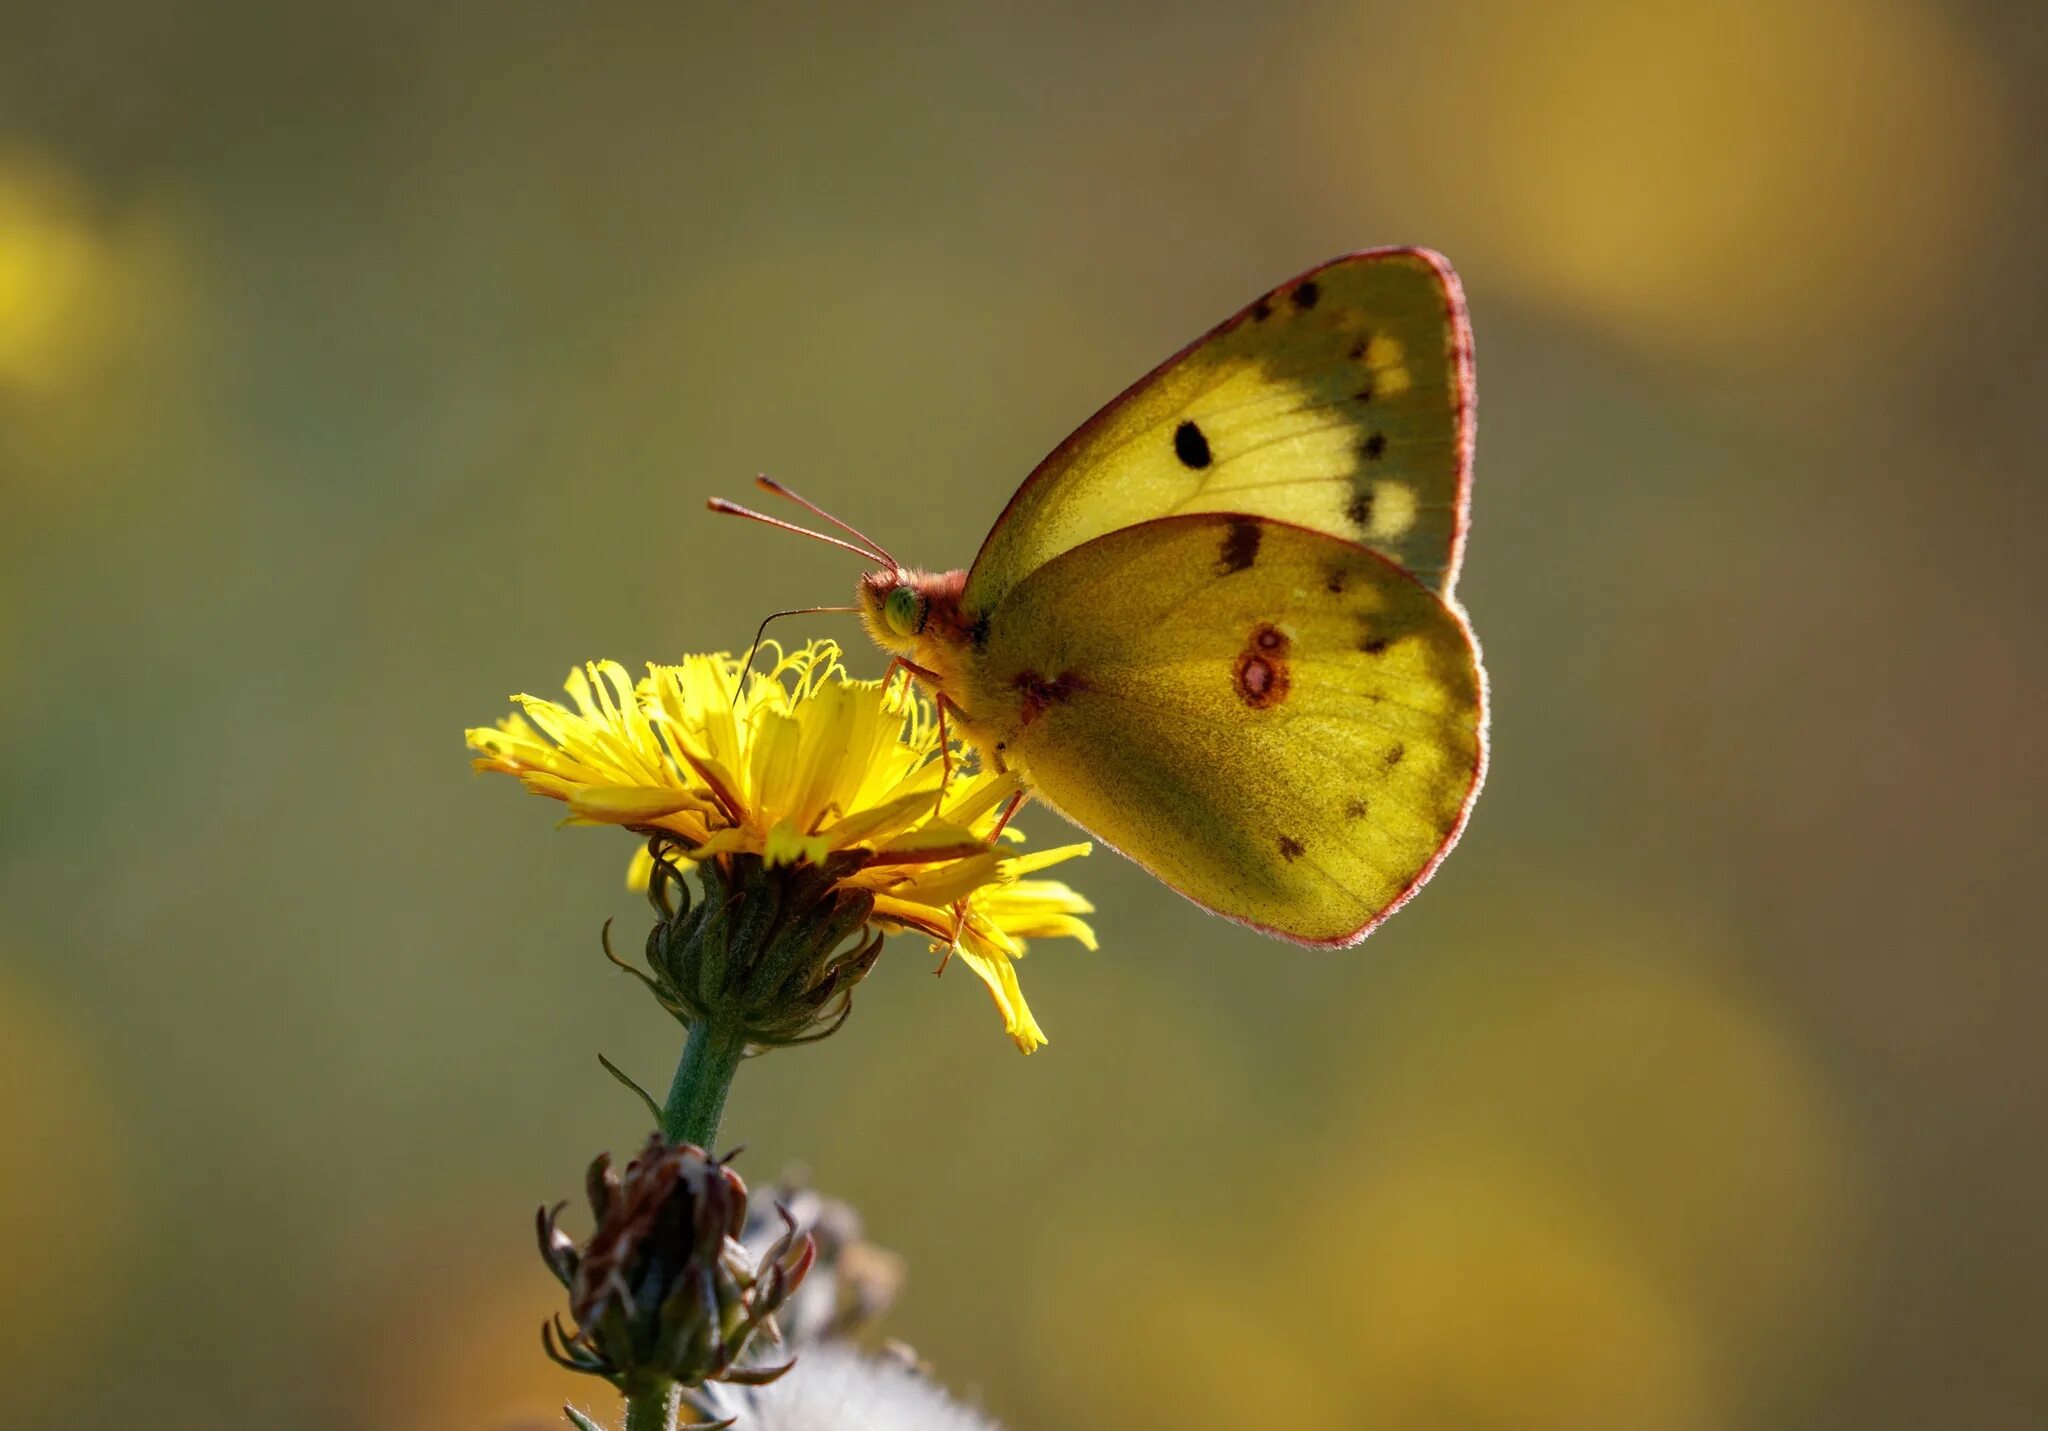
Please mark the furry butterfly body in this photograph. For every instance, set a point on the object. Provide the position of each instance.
(1217, 627)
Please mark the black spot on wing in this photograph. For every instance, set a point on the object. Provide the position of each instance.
(1393, 756)
(1240, 547)
(1360, 510)
(1355, 810)
(1190, 446)
(1291, 848)
(1374, 447)
(1306, 294)
(1380, 631)
(978, 632)
(1261, 311)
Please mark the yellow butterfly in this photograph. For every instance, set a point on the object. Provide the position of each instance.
(1216, 627)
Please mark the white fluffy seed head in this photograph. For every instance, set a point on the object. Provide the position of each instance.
(834, 1387)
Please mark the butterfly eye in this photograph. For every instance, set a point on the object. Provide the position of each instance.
(904, 611)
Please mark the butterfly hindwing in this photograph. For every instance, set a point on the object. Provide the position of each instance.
(1282, 725)
(1341, 401)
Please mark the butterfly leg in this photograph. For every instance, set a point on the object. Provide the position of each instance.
(942, 703)
(959, 921)
(945, 703)
(960, 908)
(1016, 803)
(945, 757)
(910, 669)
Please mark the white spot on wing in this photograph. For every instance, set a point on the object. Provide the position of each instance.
(1393, 509)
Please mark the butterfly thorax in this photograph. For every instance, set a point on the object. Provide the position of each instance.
(918, 616)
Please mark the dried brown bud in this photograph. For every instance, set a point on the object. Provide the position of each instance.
(664, 1291)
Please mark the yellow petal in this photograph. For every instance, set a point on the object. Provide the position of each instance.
(723, 842)
(629, 804)
(992, 964)
(948, 882)
(902, 914)
(786, 845)
(982, 797)
(1040, 859)
(863, 826)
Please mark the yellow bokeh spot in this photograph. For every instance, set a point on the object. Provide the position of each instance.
(1437, 1295)
(1741, 181)
(1192, 1342)
(1511, 1210)
(99, 348)
(67, 1197)
(1608, 1052)
(1473, 1297)
(56, 279)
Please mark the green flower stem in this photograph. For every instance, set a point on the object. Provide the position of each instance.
(653, 1409)
(696, 1099)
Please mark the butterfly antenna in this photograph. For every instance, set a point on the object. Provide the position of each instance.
(734, 509)
(769, 484)
(748, 664)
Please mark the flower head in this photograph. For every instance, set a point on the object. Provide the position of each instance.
(801, 766)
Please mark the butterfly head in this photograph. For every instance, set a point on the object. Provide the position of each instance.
(907, 611)
(894, 608)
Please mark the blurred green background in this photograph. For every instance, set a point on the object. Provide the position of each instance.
(362, 365)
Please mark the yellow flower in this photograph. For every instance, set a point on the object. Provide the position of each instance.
(793, 766)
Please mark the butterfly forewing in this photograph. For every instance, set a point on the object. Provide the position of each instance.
(1341, 401)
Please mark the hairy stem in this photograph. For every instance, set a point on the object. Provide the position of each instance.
(653, 1409)
(696, 1098)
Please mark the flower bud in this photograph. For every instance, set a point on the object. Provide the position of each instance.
(664, 1291)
